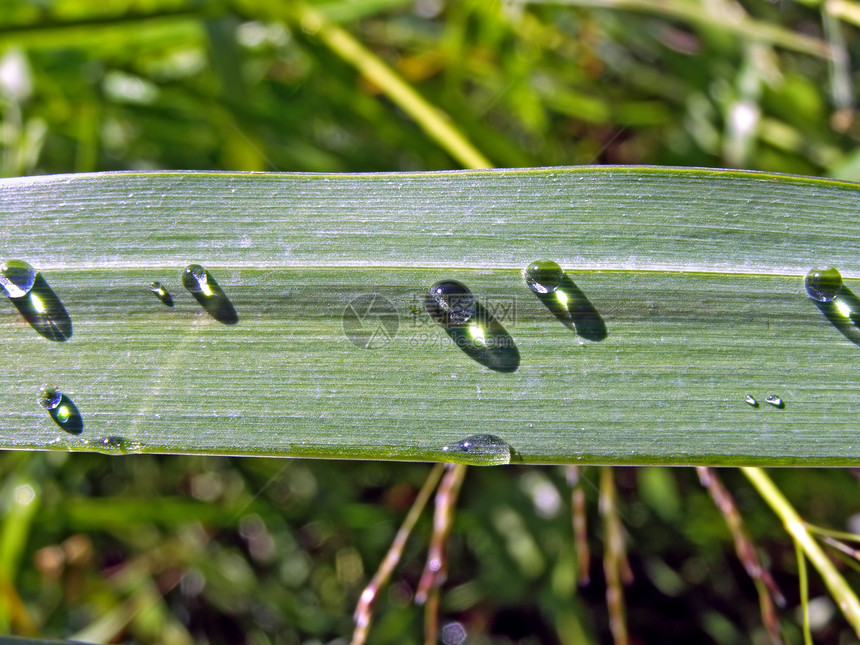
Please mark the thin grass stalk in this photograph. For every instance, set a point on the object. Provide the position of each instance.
(614, 557)
(580, 525)
(431, 119)
(841, 546)
(839, 535)
(803, 581)
(746, 551)
(431, 617)
(364, 608)
(836, 584)
(436, 568)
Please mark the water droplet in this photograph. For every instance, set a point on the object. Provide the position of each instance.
(471, 326)
(775, 401)
(63, 412)
(161, 293)
(823, 284)
(479, 450)
(49, 397)
(17, 278)
(543, 276)
(564, 299)
(111, 445)
(200, 284)
(751, 401)
(450, 303)
(34, 299)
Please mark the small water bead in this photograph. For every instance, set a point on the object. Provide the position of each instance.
(543, 276)
(206, 291)
(479, 450)
(450, 303)
(111, 445)
(161, 293)
(566, 301)
(63, 412)
(750, 400)
(775, 401)
(17, 278)
(196, 279)
(34, 299)
(471, 327)
(823, 283)
(49, 397)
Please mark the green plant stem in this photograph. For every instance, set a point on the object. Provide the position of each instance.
(842, 593)
(432, 120)
(803, 581)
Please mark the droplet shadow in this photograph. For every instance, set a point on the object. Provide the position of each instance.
(486, 341)
(67, 416)
(206, 291)
(44, 312)
(843, 312)
(574, 310)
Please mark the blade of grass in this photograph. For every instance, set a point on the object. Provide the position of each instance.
(697, 274)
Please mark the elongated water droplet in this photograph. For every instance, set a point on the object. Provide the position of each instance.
(34, 299)
(17, 278)
(200, 284)
(161, 293)
(450, 303)
(823, 284)
(564, 299)
(775, 401)
(749, 399)
(479, 450)
(471, 326)
(63, 412)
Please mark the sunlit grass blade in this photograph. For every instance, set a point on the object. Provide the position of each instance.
(696, 274)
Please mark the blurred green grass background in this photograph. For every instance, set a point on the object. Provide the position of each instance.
(146, 549)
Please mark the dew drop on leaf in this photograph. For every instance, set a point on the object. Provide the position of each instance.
(751, 400)
(62, 410)
(34, 299)
(479, 450)
(823, 283)
(49, 397)
(450, 303)
(206, 291)
(17, 278)
(566, 301)
(775, 401)
(543, 276)
(161, 293)
(471, 326)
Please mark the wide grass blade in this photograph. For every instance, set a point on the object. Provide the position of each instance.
(697, 274)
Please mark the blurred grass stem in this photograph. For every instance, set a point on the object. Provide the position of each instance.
(839, 589)
(433, 121)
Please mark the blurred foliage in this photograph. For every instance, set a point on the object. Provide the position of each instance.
(213, 550)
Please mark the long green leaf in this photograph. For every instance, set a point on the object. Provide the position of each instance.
(698, 275)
